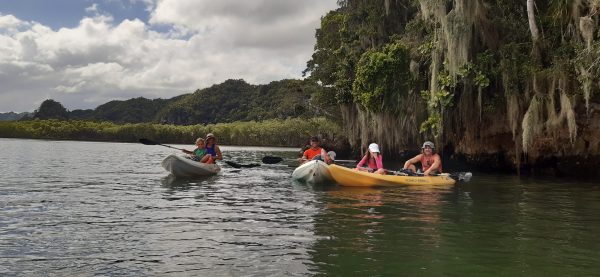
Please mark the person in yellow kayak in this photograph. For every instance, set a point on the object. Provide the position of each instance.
(373, 160)
(316, 152)
(431, 162)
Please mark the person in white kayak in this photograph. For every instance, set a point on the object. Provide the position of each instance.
(431, 162)
(212, 148)
(315, 152)
(373, 160)
(199, 154)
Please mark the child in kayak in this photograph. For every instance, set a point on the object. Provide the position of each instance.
(199, 154)
(373, 160)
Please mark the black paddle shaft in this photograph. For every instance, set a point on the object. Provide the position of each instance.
(151, 142)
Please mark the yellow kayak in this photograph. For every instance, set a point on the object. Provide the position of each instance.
(352, 178)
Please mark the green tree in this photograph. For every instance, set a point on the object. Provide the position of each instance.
(50, 109)
(382, 78)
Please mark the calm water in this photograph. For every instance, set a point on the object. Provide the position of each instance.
(90, 208)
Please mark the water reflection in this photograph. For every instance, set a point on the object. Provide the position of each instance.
(346, 197)
(366, 229)
(178, 183)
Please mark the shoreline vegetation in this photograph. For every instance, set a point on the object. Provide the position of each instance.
(289, 132)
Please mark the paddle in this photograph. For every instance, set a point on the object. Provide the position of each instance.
(237, 165)
(461, 176)
(230, 163)
(151, 142)
(271, 159)
(274, 160)
(458, 176)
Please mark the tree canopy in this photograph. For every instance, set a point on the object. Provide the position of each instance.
(51, 109)
(232, 100)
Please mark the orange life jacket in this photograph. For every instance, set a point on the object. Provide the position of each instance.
(311, 153)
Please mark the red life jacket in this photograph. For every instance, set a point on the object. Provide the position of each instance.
(427, 163)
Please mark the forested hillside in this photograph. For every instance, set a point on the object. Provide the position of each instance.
(232, 100)
(236, 100)
(134, 110)
(503, 83)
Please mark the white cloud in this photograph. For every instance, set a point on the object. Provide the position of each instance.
(9, 21)
(207, 43)
(92, 9)
(9, 24)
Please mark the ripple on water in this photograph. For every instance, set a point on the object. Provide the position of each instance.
(89, 208)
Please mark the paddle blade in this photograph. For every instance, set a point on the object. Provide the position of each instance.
(462, 176)
(234, 165)
(237, 165)
(271, 159)
(250, 165)
(465, 176)
(148, 142)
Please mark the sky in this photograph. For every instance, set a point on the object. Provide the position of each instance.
(84, 53)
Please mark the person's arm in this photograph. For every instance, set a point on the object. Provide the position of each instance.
(326, 157)
(362, 161)
(218, 151)
(436, 164)
(304, 156)
(379, 161)
(414, 160)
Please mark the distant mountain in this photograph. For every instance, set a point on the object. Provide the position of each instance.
(232, 100)
(10, 116)
(236, 100)
(135, 110)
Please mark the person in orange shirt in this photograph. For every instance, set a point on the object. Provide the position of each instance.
(316, 152)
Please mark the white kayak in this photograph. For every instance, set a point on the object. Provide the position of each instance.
(314, 172)
(184, 167)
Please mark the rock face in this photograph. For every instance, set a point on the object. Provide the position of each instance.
(486, 142)
(499, 85)
(491, 146)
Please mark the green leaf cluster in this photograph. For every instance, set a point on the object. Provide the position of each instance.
(345, 35)
(382, 78)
